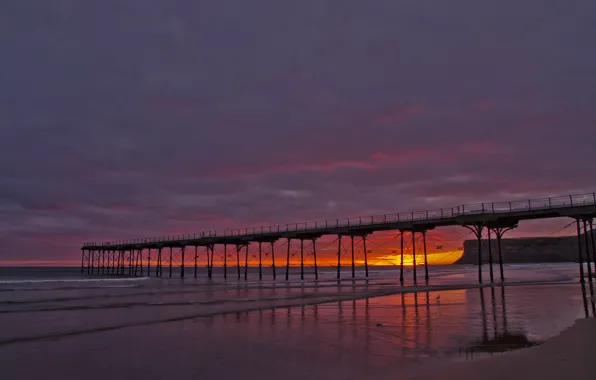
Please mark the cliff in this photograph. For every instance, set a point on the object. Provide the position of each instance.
(525, 250)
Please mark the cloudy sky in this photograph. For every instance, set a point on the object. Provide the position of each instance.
(123, 119)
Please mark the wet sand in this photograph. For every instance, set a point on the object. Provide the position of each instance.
(569, 356)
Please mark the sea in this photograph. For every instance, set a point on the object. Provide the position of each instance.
(64, 324)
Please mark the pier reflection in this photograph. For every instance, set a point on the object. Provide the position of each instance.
(496, 334)
(412, 326)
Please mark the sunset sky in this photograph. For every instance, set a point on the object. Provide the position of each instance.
(139, 118)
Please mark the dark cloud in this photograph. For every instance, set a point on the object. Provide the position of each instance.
(140, 118)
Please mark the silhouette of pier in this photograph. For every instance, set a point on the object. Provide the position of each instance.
(126, 257)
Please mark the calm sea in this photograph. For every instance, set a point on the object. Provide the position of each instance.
(58, 322)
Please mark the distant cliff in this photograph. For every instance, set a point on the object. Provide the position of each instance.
(525, 250)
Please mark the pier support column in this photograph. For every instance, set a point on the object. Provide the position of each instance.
(158, 271)
(353, 264)
(273, 259)
(401, 264)
(246, 263)
(499, 233)
(170, 262)
(425, 257)
(141, 260)
(288, 260)
(260, 262)
(210, 256)
(490, 256)
(365, 256)
(238, 247)
(91, 260)
(302, 259)
(580, 256)
(414, 256)
(314, 253)
(477, 230)
(82, 260)
(339, 256)
(196, 260)
(587, 245)
(593, 246)
(225, 263)
(149, 262)
(102, 261)
(182, 262)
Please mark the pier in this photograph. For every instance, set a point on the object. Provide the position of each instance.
(492, 219)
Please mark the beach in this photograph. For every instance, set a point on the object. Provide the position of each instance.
(71, 326)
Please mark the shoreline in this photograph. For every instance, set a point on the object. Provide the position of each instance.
(569, 355)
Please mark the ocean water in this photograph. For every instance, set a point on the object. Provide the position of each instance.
(58, 322)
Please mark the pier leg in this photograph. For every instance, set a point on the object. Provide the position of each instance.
(580, 258)
(414, 256)
(149, 263)
(314, 252)
(141, 261)
(273, 259)
(82, 260)
(238, 260)
(425, 257)
(590, 255)
(170, 262)
(246, 263)
(338, 256)
(587, 245)
(159, 263)
(225, 265)
(353, 264)
(302, 259)
(500, 255)
(196, 259)
(288, 260)
(480, 256)
(365, 255)
(260, 262)
(401, 266)
(131, 260)
(212, 247)
(182, 263)
(92, 259)
(208, 261)
(490, 256)
(593, 246)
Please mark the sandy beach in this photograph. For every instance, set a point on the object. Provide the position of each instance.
(570, 355)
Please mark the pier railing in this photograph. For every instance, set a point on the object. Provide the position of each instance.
(567, 201)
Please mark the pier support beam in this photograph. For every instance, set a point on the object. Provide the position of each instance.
(225, 263)
(490, 256)
(314, 252)
(170, 262)
(196, 260)
(401, 264)
(579, 252)
(302, 259)
(588, 261)
(182, 262)
(246, 263)
(425, 257)
(238, 247)
(339, 256)
(477, 230)
(210, 256)
(499, 231)
(365, 256)
(158, 271)
(414, 256)
(260, 261)
(353, 264)
(149, 262)
(288, 260)
(273, 259)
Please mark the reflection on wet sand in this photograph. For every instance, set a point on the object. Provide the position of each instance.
(501, 339)
(412, 326)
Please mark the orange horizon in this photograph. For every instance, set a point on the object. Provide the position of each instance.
(434, 258)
